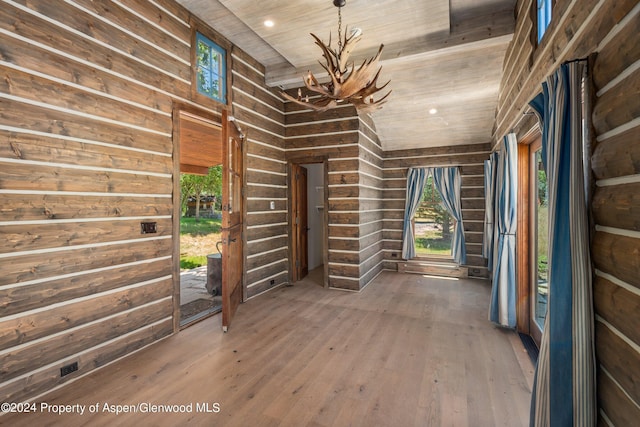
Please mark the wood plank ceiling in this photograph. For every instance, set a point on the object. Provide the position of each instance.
(445, 55)
(200, 144)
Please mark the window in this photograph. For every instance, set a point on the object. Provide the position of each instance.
(210, 71)
(433, 225)
(543, 16)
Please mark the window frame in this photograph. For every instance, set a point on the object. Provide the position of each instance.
(222, 72)
(544, 10)
(536, 38)
(535, 328)
(413, 224)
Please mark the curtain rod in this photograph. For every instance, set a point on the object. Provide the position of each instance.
(529, 112)
(527, 109)
(585, 59)
(522, 116)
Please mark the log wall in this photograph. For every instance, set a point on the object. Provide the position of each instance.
(610, 30)
(372, 202)
(260, 112)
(85, 156)
(616, 213)
(332, 137)
(88, 94)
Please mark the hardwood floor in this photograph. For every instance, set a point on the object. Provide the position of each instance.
(406, 351)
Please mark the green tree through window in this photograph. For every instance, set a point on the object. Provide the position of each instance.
(196, 186)
(210, 71)
(433, 226)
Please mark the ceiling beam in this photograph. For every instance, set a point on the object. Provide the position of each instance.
(468, 31)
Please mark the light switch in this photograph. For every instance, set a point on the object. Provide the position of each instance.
(272, 205)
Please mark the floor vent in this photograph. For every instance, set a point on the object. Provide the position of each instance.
(530, 346)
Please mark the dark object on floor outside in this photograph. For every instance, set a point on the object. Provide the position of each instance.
(214, 274)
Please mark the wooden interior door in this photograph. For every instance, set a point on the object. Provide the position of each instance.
(232, 214)
(304, 224)
(299, 225)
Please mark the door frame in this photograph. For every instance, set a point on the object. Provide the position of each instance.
(325, 226)
(233, 223)
(179, 107)
(524, 236)
(175, 230)
(299, 195)
(534, 329)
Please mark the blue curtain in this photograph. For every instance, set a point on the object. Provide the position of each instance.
(490, 172)
(503, 291)
(447, 182)
(416, 179)
(564, 383)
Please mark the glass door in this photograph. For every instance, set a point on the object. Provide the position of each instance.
(539, 248)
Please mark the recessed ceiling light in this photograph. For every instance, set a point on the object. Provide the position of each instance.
(433, 111)
(269, 23)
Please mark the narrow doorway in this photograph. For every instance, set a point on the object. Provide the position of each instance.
(200, 195)
(308, 222)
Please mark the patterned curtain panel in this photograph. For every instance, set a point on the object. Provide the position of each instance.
(416, 180)
(564, 385)
(447, 182)
(490, 172)
(503, 291)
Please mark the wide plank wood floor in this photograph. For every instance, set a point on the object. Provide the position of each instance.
(406, 351)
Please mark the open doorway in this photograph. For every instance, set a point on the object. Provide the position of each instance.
(200, 142)
(308, 222)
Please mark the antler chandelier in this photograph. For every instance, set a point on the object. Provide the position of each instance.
(348, 84)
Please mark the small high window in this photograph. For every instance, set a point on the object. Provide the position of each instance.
(544, 16)
(210, 71)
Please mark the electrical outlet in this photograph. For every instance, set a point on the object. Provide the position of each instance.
(394, 255)
(148, 227)
(272, 282)
(67, 369)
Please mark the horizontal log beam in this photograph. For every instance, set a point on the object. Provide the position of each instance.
(617, 255)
